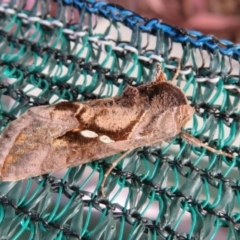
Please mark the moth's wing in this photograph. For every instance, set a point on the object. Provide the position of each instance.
(60, 117)
(26, 143)
(83, 149)
(113, 129)
(116, 122)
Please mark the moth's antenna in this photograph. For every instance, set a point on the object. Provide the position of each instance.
(194, 141)
(115, 162)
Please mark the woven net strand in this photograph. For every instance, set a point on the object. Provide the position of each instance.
(173, 191)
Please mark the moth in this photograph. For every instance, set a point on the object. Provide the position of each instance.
(55, 137)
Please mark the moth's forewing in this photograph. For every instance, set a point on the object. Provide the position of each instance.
(25, 145)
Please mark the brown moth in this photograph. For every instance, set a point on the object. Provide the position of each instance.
(51, 138)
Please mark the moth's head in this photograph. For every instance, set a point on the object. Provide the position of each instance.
(185, 113)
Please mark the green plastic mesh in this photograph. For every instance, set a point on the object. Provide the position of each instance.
(173, 191)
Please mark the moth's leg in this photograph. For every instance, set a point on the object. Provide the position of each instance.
(115, 162)
(194, 141)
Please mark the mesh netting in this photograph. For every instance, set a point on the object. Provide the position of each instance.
(91, 50)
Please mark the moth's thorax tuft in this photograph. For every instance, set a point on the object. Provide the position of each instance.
(63, 106)
(163, 96)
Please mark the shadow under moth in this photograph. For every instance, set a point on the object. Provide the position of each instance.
(51, 138)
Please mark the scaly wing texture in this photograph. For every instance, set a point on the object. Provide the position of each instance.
(25, 145)
(47, 139)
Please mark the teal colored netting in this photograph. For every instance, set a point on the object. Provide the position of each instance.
(173, 191)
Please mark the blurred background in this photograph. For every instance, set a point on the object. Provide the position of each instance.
(215, 17)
